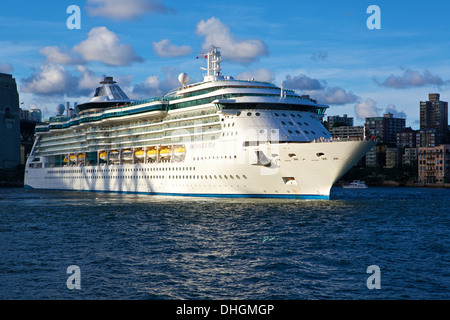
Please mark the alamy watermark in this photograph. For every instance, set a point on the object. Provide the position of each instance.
(374, 21)
(374, 280)
(74, 20)
(74, 280)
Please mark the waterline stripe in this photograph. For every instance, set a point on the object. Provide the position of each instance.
(207, 195)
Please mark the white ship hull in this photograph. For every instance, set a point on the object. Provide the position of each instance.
(298, 172)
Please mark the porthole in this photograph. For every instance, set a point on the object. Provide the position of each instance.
(249, 114)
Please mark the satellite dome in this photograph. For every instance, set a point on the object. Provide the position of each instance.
(60, 109)
(183, 78)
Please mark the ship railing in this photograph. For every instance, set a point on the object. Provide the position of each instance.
(342, 139)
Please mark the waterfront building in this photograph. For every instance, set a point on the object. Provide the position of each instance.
(434, 164)
(336, 120)
(385, 128)
(406, 138)
(427, 138)
(9, 122)
(348, 132)
(34, 115)
(434, 115)
(409, 156)
(393, 157)
(376, 156)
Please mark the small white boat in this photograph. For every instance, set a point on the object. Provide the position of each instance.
(356, 184)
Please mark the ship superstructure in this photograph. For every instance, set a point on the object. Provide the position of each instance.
(218, 137)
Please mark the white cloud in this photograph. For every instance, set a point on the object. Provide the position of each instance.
(166, 49)
(302, 82)
(55, 54)
(333, 96)
(55, 80)
(6, 67)
(155, 86)
(89, 80)
(125, 10)
(410, 79)
(104, 45)
(236, 50)
(52, 79)
(391, 108)
(367, 108)
(261, 74)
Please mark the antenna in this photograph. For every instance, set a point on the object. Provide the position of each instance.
(212, 65)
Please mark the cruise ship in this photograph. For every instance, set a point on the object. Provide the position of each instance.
(220, 137)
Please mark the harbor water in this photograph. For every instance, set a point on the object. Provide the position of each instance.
(140, 247)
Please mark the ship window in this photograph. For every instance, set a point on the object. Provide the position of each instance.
(276, 114)
(289, 131)
(290, 123)
(249, 114)
(296, 131)
(245, 177)
(292, 115)
(238, 113)
(284, 115)
(306, 123)
(299, 123)
(257, 114)
(283, 123)
(306, 132)
(313, 132)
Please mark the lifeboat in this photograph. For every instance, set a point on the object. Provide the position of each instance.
(127, 154)
(165, 153)
(103, 155)
(114, 155)
(80, 156)
(179, 152)
(139, 154)
(152, 153)
(73, 158)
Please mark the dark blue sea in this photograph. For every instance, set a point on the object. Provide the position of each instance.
(139, 247)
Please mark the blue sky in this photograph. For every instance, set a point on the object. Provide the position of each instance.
(321, 48)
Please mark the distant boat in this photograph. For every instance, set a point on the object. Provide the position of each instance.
(356, 184)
